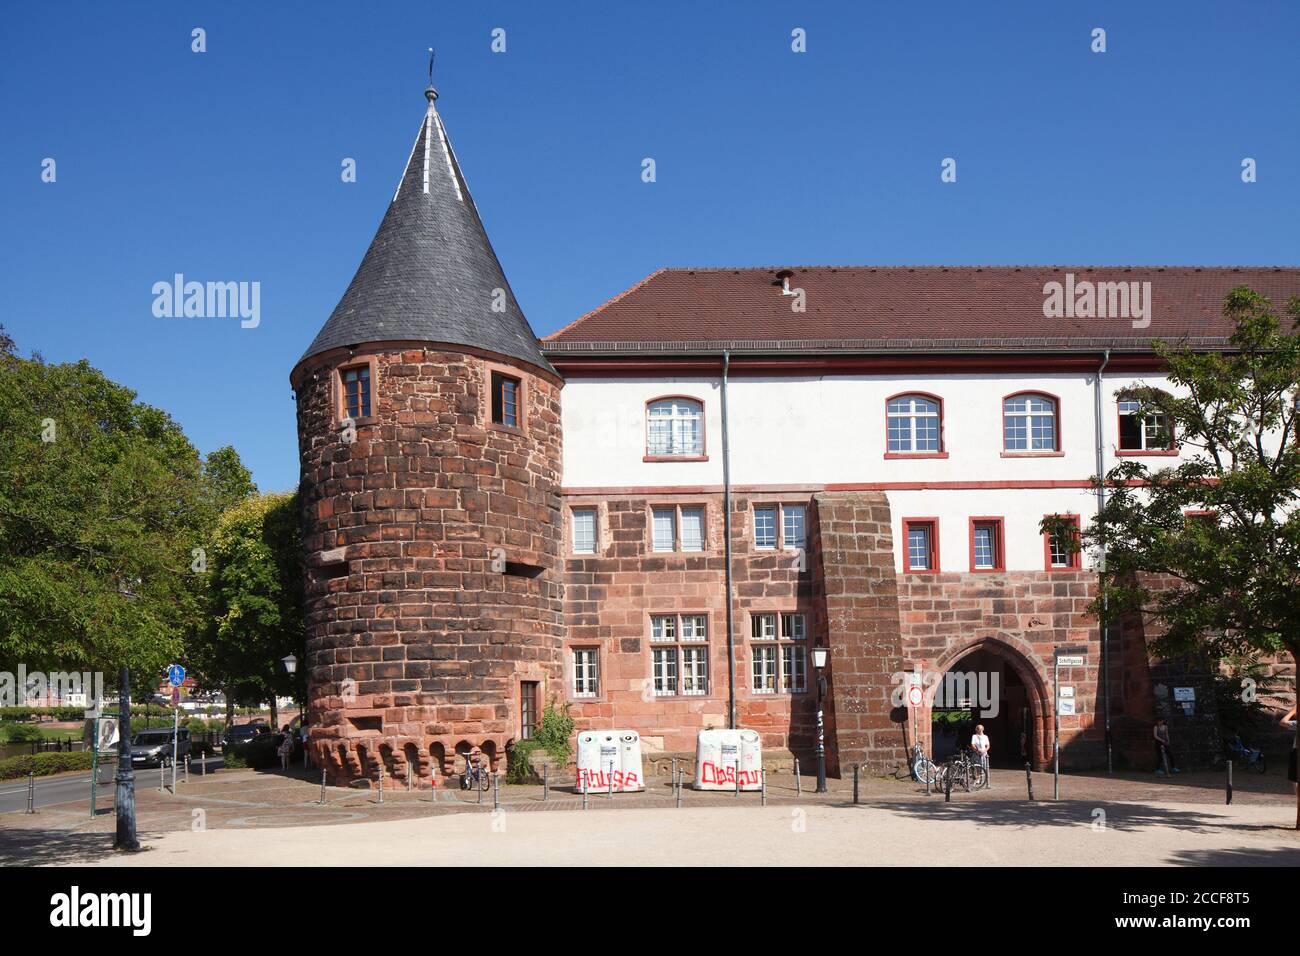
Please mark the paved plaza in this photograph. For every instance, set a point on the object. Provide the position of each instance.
(244, 817)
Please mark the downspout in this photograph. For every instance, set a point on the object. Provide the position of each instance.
(1101, 564)
(726, 544)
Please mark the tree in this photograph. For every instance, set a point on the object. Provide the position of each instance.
(100, 510)
(1223, 525)
(255, 601)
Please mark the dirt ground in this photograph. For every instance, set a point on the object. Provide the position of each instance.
(268, 819)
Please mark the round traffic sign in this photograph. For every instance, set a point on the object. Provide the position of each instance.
(914, 696)
(176, 675)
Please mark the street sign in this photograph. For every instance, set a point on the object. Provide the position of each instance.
(176, 697)
(1183, 694)
(914, 696)
(1072, 660)
(1065, 706)
(176, 675)
(1067, 691)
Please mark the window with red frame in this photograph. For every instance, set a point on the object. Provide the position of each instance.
(356, 391)
(1061, 545)
(922, 539)
(986, 553)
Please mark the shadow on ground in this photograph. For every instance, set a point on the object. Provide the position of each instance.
(32, 847)
(1071, 813)
(1276, 856)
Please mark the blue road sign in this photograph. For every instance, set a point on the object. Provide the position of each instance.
(176, 675)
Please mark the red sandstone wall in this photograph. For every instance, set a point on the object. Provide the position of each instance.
(421, 642)
(610, 597)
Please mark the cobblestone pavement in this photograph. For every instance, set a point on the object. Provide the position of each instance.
(243, 800)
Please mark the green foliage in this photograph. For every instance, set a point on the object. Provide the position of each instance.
(45, 764)
(1238, 710)
(1235, 575)
(232, 760)
(254, 602)
(553, 735)
(103, 505)
(20, 733)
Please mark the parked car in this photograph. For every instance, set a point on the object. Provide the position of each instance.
(241, 735)
(153, 748)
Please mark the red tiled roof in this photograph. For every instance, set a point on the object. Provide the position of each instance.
(887, 306)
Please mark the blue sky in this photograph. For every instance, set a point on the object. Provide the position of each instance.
(225, 165)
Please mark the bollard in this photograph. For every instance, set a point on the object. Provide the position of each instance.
(496, 793)
(855, 785)
(478, 788)
(31, 792)
(162, 777)
(1229, 781)
(762, 788)
(546, 782)
(929, 772)
(583, 778)
(680, 780)
(611, 781)
(187, 768)
(798, 780)
(674, 776)
(203, 767)
(737, 778)
(1029, 780)
(322, 787)
(947, 787)
(410, 784)
(381, 783)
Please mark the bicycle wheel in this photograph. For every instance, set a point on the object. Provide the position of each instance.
(979, 777)
(484, 781)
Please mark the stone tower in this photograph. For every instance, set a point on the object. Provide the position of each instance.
(429, 436)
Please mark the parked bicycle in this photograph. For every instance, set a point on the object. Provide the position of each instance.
(476, 775)
(964, 771)
(1252, 759)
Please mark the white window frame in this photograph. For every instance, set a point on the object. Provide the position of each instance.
(681, 431)
(595, 529)
(913, 410)
(586, 672)
(1036, 409)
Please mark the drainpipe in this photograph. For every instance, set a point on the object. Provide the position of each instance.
(1101, 567)
(726, 544)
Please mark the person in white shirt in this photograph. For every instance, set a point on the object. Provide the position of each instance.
(979, 742)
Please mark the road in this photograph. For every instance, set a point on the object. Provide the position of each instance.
(69, 788)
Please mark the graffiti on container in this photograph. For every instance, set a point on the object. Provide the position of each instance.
(712, 773)
(599, 779)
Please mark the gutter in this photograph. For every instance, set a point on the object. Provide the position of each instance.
(1101, 563)
(726, 536)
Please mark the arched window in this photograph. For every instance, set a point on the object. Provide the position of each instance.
(914, 424)
(674, 428)
(1029, 423)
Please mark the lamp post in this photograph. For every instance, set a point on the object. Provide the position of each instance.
(124, 798)
(820, 656)
(291, 668)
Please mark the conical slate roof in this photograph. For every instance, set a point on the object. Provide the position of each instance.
(430, 273)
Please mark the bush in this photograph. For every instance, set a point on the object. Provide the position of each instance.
(21, 733)
(45, 764)
(231, 760)
(196, 726)
(553, 735)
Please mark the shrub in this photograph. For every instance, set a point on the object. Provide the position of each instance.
(45, 764)
(553, 735)
(21, 733)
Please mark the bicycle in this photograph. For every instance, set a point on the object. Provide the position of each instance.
(475, 776)
(919, 767)
(1252, 758)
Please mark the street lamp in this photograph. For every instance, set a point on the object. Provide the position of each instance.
(821, 656)
(290, 665)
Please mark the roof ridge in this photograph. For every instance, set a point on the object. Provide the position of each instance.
(973, 267)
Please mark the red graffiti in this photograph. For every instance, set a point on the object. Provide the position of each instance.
(600, 779)
(712, 773)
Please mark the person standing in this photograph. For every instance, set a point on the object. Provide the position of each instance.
(1163, 748)
(979, 742)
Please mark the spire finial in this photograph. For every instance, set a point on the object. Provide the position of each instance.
(431, 94)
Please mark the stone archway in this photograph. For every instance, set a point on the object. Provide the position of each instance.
(1019, 656)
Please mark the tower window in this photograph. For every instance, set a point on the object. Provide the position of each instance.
(505, 400)
(356, 391)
